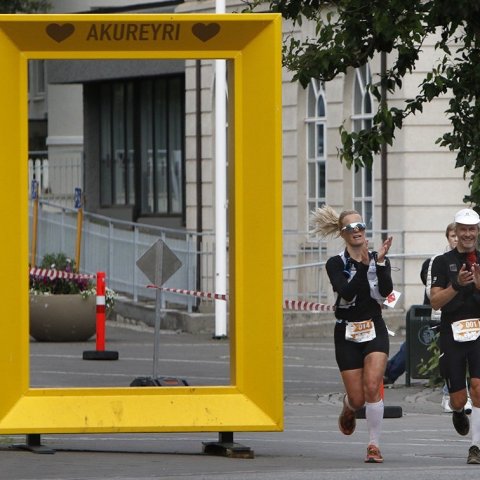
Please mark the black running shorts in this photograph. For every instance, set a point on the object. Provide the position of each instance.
(454, 358)
(350, 355)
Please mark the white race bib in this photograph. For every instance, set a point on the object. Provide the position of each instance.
(363, 331)
(466, 330)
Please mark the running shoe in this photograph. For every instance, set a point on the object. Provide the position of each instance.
(374, 455)
(347, 420)
(461, 422)
(446, 404)
(473, 455)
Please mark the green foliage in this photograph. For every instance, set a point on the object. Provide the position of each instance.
(431, 368)
(349, 33)
(24, 6)
(58, 261)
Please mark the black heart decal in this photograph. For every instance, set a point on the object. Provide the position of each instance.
(205, 32)
(60, 32)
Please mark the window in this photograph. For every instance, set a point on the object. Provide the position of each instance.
(316, 151)
(362, 120)
(141, 145)
(36, 78)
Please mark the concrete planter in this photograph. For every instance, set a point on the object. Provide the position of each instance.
(62, 318)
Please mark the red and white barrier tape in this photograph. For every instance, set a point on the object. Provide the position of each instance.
(287, 304)
(194, 293)
(52, 274)
(309, 306)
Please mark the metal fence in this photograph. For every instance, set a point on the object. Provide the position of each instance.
(114, 246)
(56, 178)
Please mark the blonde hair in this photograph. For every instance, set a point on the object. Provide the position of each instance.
(327, 222)
(450, 227)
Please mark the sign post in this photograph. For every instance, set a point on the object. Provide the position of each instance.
(79, 206)
(158, 264)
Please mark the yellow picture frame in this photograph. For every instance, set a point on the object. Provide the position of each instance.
(251, 44)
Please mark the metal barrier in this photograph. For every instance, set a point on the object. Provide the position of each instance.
(57, 176)
(114, 246)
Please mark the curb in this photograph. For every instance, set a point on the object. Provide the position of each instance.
(296, 324)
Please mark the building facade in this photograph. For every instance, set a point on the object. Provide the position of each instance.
(134, 127)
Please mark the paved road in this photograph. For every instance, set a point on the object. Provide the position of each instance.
(421, 444)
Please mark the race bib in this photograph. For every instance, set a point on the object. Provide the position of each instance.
(466, 330)
(363, 331)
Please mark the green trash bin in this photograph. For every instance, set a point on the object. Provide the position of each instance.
(420, 335)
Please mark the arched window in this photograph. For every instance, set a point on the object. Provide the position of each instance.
(362, 120)
(316, 149)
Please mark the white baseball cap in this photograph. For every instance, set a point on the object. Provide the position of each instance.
(467, 216)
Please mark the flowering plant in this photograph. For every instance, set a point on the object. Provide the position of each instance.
(41, 284)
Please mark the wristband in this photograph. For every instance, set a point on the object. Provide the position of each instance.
(381, 264)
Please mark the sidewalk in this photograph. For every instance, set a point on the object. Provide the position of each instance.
(422, 443)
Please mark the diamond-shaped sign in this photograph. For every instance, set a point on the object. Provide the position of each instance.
(159, 263)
